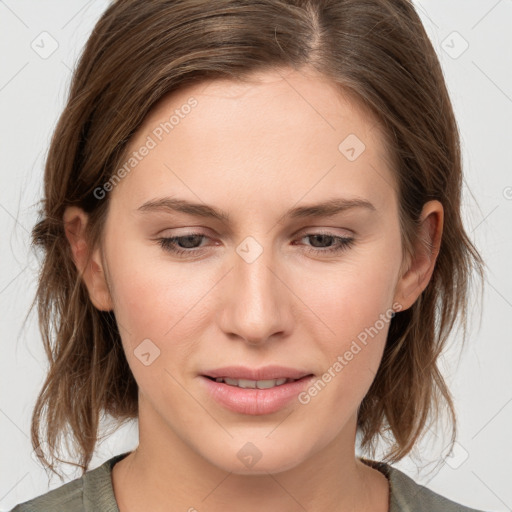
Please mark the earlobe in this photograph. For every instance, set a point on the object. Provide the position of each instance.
(419, 271)
(90, 267)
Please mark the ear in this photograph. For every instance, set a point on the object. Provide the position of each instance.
(420, 267)
(92, 271)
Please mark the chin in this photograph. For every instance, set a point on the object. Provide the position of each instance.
(248, 459)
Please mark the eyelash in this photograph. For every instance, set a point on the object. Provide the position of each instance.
(168, 244)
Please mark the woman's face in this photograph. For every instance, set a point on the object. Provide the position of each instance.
(265, 281)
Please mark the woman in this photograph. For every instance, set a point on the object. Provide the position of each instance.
(253, 245)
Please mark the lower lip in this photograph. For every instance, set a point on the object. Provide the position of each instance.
(255, 401)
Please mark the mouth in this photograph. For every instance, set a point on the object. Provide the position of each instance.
(255, 384)
(256, 396)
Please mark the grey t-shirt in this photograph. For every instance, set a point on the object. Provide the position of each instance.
(93, 492)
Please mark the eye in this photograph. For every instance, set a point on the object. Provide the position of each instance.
(190, 244)
(335, 243)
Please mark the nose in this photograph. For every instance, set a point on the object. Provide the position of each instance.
(257, 303)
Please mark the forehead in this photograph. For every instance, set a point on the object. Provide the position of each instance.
(284, 131)
(305, 90)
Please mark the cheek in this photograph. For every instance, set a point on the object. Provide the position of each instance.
(350, 296)
(156, 301)
(352, 303)
(154, 308)
(358, 320)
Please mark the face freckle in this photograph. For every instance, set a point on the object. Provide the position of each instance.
(271, 174)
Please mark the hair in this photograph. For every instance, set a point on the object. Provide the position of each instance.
(375, 51)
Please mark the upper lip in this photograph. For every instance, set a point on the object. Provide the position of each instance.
(264, 373)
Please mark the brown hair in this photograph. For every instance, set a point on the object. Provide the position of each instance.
(376, 51)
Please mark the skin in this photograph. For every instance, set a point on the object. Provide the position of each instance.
(253, 150)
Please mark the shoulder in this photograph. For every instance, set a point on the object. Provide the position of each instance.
(68, 497)
(91, 492)
(409, 496)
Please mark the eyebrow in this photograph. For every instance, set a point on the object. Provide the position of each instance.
(324, 209)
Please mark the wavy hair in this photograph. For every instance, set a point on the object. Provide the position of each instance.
(376, 51)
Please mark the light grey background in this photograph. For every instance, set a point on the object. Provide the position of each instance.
(33, 87)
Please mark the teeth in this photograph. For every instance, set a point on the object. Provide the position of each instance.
(253, 384)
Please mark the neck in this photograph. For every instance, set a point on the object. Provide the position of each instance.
(172, 476)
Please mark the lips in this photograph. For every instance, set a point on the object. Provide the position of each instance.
(253, 384)
(256, 374)
(255, 400)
